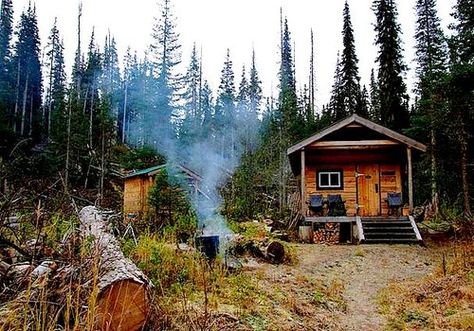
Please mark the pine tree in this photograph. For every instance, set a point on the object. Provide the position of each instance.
(431, 57)
(255, 88)
(165, 50)
(225, 104)
(207, 107)
(111, 80)
(243, 95)
(28, 75)
(336, 103)
(288, 107)
(225, 113)
(350, 88)
(460, 85)
(393, 97)
(6, 79)
(192, 106)
(374, 103)
(55, 107)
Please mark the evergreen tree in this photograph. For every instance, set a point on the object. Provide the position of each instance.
(350, 88)
(254, 88)
(111, 80)
(288, 107)
(6, 79)
(336, 103)
(243, 95)
(431, 57)
(393, 97)
(192, 106)
(165, 51)
(225, 104)
(374, 103)
(55, 107)
(460, 86)
(207, 107)
(28, 76)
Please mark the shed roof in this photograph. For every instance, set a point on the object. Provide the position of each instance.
(153, 170)
(363, 122)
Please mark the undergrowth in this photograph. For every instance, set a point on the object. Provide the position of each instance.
(442, 301)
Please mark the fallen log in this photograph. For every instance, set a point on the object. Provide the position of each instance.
(123, 301)
(275, 252)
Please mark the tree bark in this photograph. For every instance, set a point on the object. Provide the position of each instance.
(123, 302)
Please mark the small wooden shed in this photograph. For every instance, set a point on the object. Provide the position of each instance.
(358, 160)
(137, 185)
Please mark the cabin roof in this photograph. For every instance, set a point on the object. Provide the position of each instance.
(155, 169)
(356, 119)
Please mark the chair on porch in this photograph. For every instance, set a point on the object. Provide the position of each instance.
(394, 201)
(336, 206)
(316, 204)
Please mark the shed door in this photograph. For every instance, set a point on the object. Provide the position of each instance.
(368, 190)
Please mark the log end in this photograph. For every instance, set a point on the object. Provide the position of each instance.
(123, 305)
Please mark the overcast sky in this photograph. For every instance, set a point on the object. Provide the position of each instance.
(239, 25)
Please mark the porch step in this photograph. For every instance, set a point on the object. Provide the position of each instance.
(391, 241)
(388, 230)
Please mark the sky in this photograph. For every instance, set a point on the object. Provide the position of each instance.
(240, 25)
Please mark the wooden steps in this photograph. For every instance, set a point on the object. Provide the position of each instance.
(393, 230)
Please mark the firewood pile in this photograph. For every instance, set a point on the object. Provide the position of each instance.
(329, 233)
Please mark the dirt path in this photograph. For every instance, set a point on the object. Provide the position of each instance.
(362, 272)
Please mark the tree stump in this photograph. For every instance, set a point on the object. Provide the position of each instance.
(123, 301)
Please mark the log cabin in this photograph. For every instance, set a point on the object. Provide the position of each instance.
(356, 183)
(137, 185)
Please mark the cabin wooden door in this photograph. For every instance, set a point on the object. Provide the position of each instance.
(368, 190)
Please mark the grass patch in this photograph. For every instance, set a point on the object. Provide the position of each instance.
(442, 301)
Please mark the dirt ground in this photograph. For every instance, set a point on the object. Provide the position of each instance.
(350, 277)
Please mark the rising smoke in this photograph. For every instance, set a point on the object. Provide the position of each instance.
(213, 156)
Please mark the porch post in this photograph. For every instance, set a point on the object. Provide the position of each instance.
(303, 182)
(410, 178)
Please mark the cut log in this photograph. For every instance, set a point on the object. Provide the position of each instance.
(276, 252)
(123, 302)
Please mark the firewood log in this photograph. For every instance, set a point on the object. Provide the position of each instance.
(123, 302)
(275, 252)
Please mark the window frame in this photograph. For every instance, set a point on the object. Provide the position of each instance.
(330, 186)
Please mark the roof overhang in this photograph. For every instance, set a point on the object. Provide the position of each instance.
(357, 121)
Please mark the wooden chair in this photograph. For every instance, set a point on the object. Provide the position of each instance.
(394, 201)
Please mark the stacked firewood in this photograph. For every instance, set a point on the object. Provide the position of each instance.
(329, 233)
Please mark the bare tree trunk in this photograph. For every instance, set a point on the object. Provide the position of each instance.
(17, 99)
(23, 109)
(464, 172)
(124, 117)
(434, 173)
(68, 144)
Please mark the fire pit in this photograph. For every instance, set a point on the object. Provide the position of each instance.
(208, 245)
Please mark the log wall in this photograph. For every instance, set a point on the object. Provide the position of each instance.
(390, 181)
(348, 192)
(135, 195)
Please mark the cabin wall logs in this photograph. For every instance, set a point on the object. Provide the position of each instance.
(390, 181)
(135, 195)
(348, 192)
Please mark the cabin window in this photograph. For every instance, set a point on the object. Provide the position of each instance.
(329, 179)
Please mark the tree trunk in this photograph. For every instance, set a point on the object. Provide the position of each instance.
(123, 302)
(23, 108)
(464, 172)
(68, 144)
